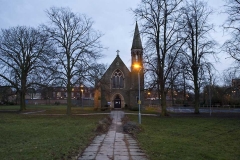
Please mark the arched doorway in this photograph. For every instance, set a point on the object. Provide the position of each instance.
(117, 102)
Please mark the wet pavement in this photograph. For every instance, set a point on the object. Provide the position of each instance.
(114, 145)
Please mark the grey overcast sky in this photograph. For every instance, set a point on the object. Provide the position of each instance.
(111, 17)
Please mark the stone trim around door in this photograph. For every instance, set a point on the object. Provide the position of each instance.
(117, 101)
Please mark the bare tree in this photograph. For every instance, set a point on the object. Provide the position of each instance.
(232, 24)
(78, 47)
(160, 25)
(230, 74)
(199, 45)
(95, 73)
(24, 58)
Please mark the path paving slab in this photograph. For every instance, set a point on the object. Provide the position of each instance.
(114, 145)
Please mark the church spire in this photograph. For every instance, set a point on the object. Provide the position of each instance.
(137, 43)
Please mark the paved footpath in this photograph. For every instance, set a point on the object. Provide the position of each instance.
(115, 145)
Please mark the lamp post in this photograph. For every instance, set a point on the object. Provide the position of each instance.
(82, 94)
(137, 66)
(210, 109)
(149, 96)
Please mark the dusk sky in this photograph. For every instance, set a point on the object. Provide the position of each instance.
(113, 18)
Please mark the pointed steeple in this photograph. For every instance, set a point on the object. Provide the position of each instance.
(137, 43)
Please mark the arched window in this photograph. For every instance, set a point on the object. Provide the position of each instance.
(117, 79)
(136, 57)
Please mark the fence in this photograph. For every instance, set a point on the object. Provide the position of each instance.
(221, 106)
(84, 102)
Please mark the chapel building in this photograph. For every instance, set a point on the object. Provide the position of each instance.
(119, 86)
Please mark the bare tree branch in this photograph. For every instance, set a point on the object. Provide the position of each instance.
(232, 25)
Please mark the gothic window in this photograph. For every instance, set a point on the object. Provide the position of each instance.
(117, 79)
(136, 57)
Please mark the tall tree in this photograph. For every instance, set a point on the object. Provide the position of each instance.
(24, 58)
(160, 20)
(198, 45)
(78, 46)
(232, 24)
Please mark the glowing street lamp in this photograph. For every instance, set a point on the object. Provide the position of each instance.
(149, 94)
(137, 66)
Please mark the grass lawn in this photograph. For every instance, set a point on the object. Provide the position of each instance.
(193, 138)
(147, 110)
(44, 137)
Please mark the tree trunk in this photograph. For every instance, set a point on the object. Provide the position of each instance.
(196, 105)
(162, 84)
(22, 93)
(69, 99)
(22, 101)
(184, 89)
(196, 90)
(163, 99)
(164, 104)
(172, 94)
(69, 86)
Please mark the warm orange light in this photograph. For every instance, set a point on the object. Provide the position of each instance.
(137, 66)
(81, 87)
(149, 93)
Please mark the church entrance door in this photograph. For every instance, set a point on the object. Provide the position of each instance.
(117, 102)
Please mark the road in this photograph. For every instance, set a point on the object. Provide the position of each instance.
(203, 110)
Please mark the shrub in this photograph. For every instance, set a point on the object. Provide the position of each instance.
(133, 108)
(106, 107)
(130, 127)
(103, 125)
(10, 103)
(95, 108)
(57, 103)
